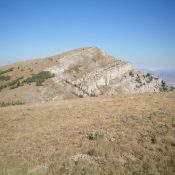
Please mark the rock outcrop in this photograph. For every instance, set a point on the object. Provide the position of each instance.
(92, 72)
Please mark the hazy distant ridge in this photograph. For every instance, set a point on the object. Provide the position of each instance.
(166, 74)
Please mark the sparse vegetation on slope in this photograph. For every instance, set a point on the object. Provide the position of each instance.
(12, 85)
(15, 83)
(13, 103)
(39, 78)
(3, 86)
(4, 78)
(131, 135)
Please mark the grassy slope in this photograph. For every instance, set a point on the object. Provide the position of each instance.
(26, 93)
(139, 136)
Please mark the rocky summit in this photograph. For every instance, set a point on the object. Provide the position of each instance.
(78, 73)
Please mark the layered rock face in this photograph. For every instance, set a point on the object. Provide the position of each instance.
(92, 72)
(78, 73)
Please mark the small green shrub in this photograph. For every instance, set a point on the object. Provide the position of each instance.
(81, 96)
(97, 134)
(138, 80)
(150, 78)
(148, 75)
(131, 73)
(5, 71)
(39, 82)
(164, 86)
(163, 83)
(14, 82)
(4, 78)
(92, 152)
(3, 86)
(13, 103)
(15, 85)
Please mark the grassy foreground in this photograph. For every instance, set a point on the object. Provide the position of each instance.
(132, 134)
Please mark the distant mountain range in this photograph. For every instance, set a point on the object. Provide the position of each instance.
(166, 74)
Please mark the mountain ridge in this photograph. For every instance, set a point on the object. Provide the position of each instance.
(81, 72)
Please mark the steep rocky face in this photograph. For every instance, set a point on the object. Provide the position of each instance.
(92, 72)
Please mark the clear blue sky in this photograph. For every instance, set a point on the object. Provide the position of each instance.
(141, 31)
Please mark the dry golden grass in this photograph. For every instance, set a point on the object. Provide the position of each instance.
(139, 136)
